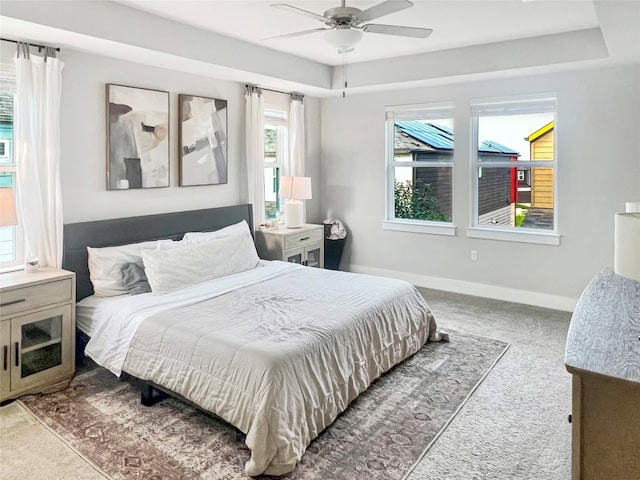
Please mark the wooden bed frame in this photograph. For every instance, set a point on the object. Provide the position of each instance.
(121, 231)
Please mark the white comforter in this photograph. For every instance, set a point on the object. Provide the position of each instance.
(278, 358)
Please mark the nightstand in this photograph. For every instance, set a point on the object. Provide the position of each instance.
(303, 245)
(37, 330)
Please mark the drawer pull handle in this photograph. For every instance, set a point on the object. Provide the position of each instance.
(17, 354)
(570, 418)
(305, 238)
(5, 357)
(13, 302)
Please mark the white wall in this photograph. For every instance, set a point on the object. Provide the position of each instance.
(83, 139)
(598, 151)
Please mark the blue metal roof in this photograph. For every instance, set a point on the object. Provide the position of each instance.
(494, 147)
(441, 137)
(437, 136)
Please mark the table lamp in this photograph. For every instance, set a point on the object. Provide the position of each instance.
(627, 242)
(294, 189)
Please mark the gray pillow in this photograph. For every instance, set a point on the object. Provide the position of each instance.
(134, 279)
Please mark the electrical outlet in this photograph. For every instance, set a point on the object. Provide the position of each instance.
(474, 255)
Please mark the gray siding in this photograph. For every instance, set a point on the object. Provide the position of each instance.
(494, 188)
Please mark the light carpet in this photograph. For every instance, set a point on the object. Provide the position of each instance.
(28, 451)
(379, 437)
(515, 424)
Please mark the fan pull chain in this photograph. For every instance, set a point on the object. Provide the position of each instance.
(344, 72)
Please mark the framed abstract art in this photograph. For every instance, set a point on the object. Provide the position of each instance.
(202, 137)
(137, 138)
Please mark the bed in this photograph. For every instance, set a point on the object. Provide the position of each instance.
(278, 350)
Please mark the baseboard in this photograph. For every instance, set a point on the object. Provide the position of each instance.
(526, 297)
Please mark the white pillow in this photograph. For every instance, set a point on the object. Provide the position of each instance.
(195, 238)
(169, 270)
(165, 244)
(234, 229)
(106, 266)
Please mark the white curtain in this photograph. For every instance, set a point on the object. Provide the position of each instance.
(296, 137)
(37, 153)
(254, 117)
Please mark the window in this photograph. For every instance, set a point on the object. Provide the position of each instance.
(275, 150)
(10, 236)
(420, 148)
(514, 169)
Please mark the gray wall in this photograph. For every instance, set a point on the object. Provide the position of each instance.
(83, 137)
(598, 151)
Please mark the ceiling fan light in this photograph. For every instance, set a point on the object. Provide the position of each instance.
(343, 38)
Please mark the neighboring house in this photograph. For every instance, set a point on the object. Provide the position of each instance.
(6, 129)
(419, 141)
(424, 141)
(541, 148)
(524, 187)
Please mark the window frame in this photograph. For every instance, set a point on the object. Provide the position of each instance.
(277, 116)
(425, 111)
(530, 104)
(7, 87)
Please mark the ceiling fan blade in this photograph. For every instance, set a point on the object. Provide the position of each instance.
(297, 34)
(397, 30)
(300, 11)
(382, 9)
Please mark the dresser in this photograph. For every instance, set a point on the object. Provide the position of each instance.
(37, 330)
(303, 245)
(603, 354)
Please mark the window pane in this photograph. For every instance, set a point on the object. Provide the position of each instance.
(6, 128)
(423, 193)
(504, 199)
(423, 140)
(275, 155)
(6, 180)
(7, 234)
(7, 242)
(271, 187)
(270, 144)
(523, 137)
(10, 241)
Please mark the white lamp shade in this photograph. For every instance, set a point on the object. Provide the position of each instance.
(285, 186)
(295, 188)
(626, 259)
(343, 38)
(301, 189)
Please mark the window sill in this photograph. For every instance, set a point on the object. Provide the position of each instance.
(541, 238)
(11, 268)
(417, 226)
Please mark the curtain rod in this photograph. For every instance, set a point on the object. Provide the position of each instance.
(272, 90)
(39, 47)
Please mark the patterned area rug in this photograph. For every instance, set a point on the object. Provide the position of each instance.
(381, 436)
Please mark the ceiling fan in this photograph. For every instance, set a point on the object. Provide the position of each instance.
(348, 23)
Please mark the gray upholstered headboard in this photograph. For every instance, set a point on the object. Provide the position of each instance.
(120, 231)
